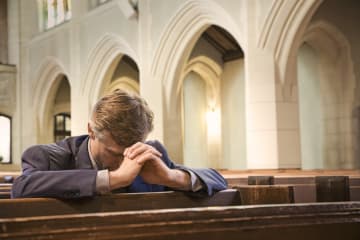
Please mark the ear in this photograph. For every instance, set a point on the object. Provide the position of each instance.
(91, 132)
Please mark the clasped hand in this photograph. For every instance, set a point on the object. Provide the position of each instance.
(149, 164)
(144, 160)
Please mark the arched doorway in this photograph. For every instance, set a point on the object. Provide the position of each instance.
(326, 98)
(213, 103)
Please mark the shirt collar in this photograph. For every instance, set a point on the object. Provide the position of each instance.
(93, 162)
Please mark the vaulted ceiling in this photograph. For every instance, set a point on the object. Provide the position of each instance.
(221, 40)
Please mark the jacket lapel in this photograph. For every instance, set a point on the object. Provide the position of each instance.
(82, 157)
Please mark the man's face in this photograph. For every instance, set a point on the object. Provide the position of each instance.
(106, 151)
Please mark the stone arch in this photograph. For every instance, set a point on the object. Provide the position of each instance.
(292, 18)
(280, 37)
(124, 83)
(209, 71)
(209, 153)
(337, 82)
(289, 44)
(181, 34)
(107, 52)
(337, 47)
(46, 83)
(172, 53)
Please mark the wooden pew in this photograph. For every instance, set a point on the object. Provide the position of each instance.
(355, 193)
(328, 221)
(242, 195)
(309, 188)
(304, 187)
(26, 207)
(8, 177)
(265, 194)
(332, 188)
(6, 180)
(260, 180)
(5, 189)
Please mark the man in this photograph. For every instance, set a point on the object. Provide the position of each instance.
(112, 157)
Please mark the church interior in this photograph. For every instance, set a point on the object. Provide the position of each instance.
(233, 85)
(264, 91)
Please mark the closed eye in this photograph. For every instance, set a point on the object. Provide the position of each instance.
(115, 154)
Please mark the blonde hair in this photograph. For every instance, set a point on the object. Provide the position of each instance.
(127, 117)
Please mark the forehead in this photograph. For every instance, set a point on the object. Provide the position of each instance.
(110, 144)
(115, 150)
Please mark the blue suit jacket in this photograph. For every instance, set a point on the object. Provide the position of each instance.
(64, 170)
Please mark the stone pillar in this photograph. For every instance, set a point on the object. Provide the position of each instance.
(262, 134)
(80, 106)
(151, 87)
(3, 33)
(260, 104)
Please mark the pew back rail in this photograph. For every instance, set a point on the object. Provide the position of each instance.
(329, 221)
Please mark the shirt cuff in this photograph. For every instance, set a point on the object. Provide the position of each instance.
(196, 184)
(102, 182)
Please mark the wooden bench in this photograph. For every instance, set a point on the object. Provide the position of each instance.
(8, 177)
(5, 190)
(328, 221)
(265, 194)
(6, 180)
(310, 188)
(332, 188)
(26, 207)
(242, 195)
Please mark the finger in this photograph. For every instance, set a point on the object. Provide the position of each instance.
(125, 152)
(135, 147)
(141, 148)
(156, 152)
(145, 157)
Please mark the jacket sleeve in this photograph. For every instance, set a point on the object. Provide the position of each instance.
(48, 172)
(211, 180)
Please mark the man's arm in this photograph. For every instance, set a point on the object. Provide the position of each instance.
(211, 181)
(46, 173)
(125, 174)
(165, 172)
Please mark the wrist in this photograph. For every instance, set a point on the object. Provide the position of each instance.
(179, 179)
(117, 180)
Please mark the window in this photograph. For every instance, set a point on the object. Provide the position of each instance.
(62, 126)
(5, 139)
(54, 12)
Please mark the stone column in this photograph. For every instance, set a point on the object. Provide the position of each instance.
(3, 33)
